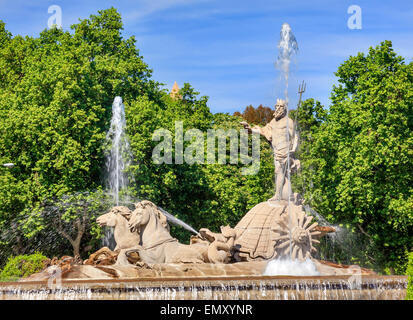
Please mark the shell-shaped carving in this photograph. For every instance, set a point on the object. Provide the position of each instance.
(295, 235)
(254, 233)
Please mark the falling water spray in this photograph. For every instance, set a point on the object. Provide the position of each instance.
(118, 157)
(287, 47)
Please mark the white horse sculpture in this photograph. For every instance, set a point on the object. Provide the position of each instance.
(118, 218)
(145, 232)
(158, 246)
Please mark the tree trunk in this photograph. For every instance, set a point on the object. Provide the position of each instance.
(74, 242)
(76, 248)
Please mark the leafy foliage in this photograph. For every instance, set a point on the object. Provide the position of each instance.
(71, 218)
(22, 266)
(358, 165)
(260, 115)
(409, 273)
(308, 117)
(56, 91)
(65, 225)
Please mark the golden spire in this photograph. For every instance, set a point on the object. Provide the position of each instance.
(175, 91)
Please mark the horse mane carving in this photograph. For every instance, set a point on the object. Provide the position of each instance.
(160, 216)
(118, 218)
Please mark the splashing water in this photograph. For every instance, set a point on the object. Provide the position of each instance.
(177, 221)
(343, 245)
(322, 220)
(118, 159)
(287, 46)
(119, 156)
(287, 267)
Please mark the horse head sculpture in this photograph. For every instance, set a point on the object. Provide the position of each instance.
(118, 218)
(143, 213)
(111, 219)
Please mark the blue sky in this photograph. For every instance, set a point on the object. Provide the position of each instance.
(227, 48)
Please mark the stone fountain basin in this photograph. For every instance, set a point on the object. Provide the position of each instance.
(240, 281)
(368, 287)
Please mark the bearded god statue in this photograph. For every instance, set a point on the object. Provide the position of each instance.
(280, 132)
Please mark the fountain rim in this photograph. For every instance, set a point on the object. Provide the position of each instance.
(331, 278)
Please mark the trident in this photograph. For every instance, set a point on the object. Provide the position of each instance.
(301, 90)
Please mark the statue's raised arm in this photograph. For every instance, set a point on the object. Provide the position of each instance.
(265, 131)
(256, 129)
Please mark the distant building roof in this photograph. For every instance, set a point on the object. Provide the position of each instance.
(175, 91)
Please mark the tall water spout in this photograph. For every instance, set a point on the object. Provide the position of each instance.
(119, 156)
(287, 47)
(118, 159)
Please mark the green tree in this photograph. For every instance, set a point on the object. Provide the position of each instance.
(232, 194)
(409, 273)
(56, 92)
(69, 220)
(308, 118)
(358, 165)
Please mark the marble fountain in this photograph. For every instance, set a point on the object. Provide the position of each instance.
(267, 255)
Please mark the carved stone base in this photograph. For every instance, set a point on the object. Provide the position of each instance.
(253, 268)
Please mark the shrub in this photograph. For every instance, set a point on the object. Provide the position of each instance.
(22, 266)
(410, 275)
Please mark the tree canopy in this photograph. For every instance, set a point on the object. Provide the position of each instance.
(200, 194)
(260, 115)
(56, 92)
(358, 165)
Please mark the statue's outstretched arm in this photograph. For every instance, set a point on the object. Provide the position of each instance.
(264, 131)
